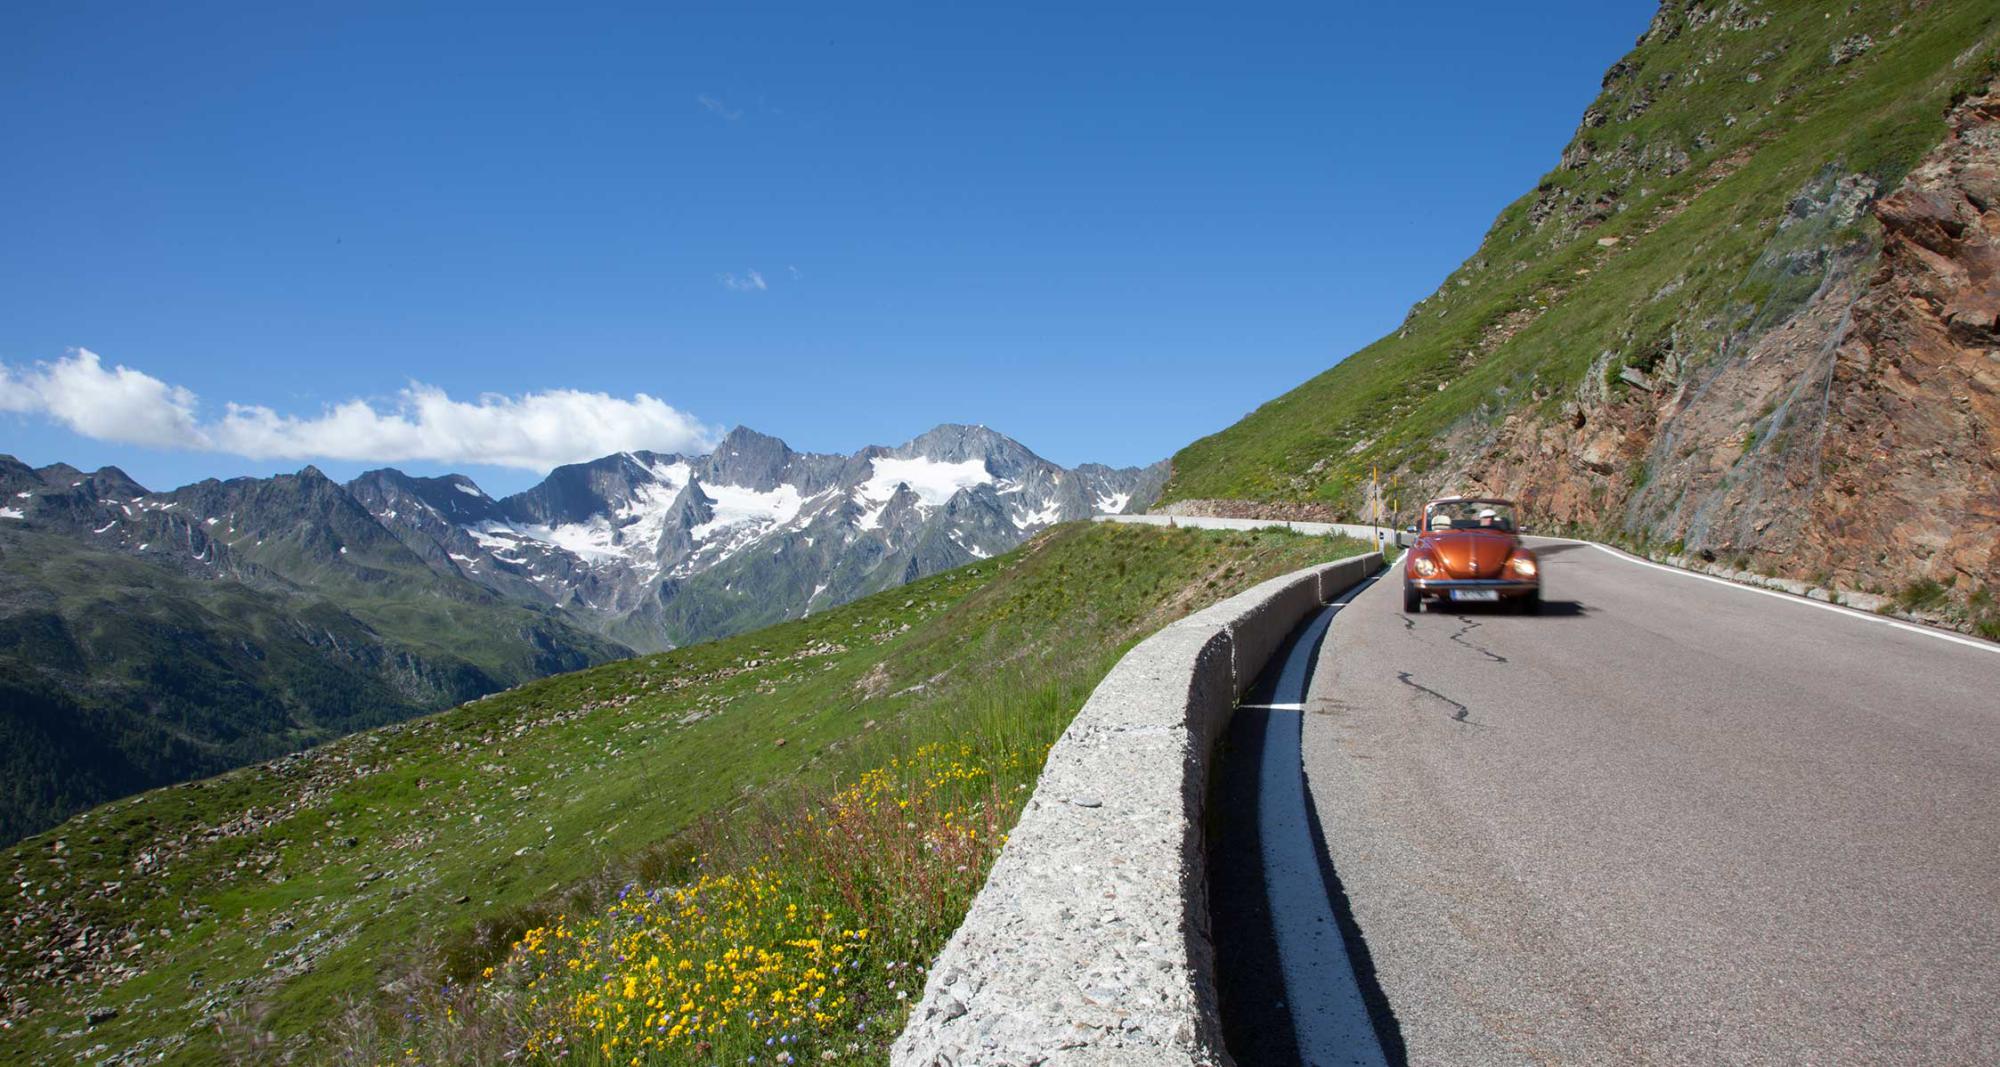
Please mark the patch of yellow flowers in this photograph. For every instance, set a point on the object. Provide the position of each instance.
(725, 961)
(788, 958)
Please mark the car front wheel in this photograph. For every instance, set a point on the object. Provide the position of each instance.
(1413, 601)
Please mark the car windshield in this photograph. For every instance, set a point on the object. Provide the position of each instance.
(1472, 515)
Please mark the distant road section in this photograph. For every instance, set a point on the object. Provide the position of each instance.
(1668, 821)
(1370, 534)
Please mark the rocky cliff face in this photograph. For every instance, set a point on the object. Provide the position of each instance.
(1854, 442)
(1907, 477)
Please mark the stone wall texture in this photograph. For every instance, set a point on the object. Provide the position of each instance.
(1089, 943)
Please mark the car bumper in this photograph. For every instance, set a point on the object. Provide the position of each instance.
(1442, 588)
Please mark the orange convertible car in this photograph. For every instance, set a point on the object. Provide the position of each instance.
(1469, 549)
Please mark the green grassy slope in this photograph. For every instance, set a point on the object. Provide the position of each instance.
(1703, 134)
(118, 673)
(240, 913)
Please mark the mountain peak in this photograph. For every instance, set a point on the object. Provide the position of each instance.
(11, 465)
(958, 443)
(455, 497)
(750, 459)
(742, 437)
(384, 474)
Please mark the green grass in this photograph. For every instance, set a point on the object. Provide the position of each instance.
(1923, 594)
(1978, 611)
(243, 912)
(1983, 610)
(1690, 265)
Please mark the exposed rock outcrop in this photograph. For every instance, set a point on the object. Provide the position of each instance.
(1912, 446)
(1852, 437)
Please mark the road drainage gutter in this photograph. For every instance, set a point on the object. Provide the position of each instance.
(1089, 943)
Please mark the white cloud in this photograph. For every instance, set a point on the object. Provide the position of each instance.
(748, 282)
(716, 106)
(533, 431)
(14, 393)
(120, 404)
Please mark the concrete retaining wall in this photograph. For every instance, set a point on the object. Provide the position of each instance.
(1089, 943)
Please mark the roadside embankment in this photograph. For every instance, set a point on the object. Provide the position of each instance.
(1089, 943)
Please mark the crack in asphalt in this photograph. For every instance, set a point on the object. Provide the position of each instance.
(1460, 715)
(1470, 626)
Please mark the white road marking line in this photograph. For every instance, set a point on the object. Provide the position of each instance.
(1957, 639)
(1271, 707)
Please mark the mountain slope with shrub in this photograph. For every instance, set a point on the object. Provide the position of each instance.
(1749, 317)
(345, 903)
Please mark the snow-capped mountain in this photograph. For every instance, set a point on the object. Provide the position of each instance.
(162, 635)
(659, 550)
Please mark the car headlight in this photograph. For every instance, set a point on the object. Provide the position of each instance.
(1523, 566)
(1425, 567)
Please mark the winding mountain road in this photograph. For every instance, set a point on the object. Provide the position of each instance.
(1670, 820)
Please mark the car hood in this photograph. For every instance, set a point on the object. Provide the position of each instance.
(1471, 553)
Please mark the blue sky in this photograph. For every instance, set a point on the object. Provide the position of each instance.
(1105, 229)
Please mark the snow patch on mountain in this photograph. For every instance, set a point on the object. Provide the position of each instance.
(737, 506)
(1049, 515)
(644, 518)
(675, 474)
(595, 541)
(932, 480)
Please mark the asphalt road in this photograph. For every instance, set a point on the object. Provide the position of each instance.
(1667, 821)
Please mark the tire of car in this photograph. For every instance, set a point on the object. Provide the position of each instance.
(1413, 602)
(1532, 603)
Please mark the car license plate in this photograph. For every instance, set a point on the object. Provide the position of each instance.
(1475, 594)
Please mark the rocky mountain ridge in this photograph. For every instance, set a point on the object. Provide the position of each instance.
(659, 550)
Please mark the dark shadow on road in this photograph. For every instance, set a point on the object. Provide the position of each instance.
(1380, 1013)
(1256, 1022)
(1551, 609)
(1261, 825)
